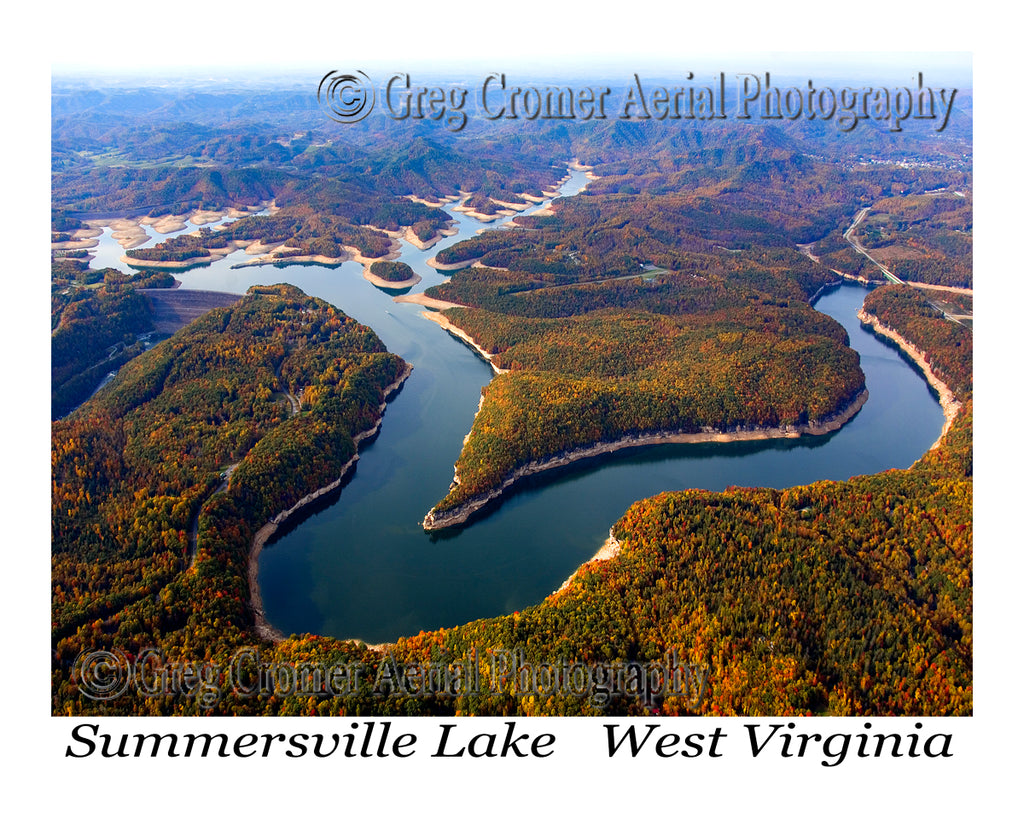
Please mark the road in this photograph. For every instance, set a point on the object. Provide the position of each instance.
(193, 534)
(856, 245)
(848, 235)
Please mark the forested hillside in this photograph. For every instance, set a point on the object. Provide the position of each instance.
(624, 315)
(150, 538)
(850, 597)
(672, 296)
(97, 318)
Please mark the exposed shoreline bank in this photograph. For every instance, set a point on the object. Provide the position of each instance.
(214, 255)
(425, 301)
(128, 231)
(351, 254)
(462, 335)
(377, 281)
(947, 400)
(609, 549)
(262, 626)
(432, 262)
(460, 514)
(409, 235)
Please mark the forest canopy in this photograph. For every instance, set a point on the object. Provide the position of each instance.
(674, 294)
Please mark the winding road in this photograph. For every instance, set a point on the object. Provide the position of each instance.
(957, 318)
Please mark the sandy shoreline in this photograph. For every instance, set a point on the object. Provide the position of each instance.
(356, 255)
(609, 549)
(431, 204)
(171, 223)
(432, 262)
(410, 236)
(947, 400)
(129, 232)
(416, 241)
(216, 254)
(271, 254)
(515, 208)
(425, 301)
(87, 233)
(81, 239)
(389, 285)
(74, 244)
(512, 209)
(576, 165)
(484, 217)
(394, 253)
(462, 512)
(262, 627)
(257, 248)
(326, 261)
(166, 224)
(459, 333)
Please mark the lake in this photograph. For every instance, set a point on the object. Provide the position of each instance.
(364, 568)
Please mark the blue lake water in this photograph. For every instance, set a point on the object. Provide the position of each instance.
(363, 566)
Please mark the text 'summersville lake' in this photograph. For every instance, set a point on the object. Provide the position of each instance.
(364, 568)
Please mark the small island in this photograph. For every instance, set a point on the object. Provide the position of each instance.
(390, 275)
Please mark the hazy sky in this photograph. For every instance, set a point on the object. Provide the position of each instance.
(559, 39)
(952, 68)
